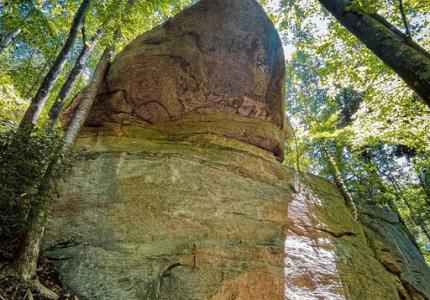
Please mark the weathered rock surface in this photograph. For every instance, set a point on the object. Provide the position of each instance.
(330, 255)
(392, 247)
(172, 217)
(178, 192)
(159, 216)
(218, 57)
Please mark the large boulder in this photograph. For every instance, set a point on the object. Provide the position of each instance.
(217, 62)
(178, 191)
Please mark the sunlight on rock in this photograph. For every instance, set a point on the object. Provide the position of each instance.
(310, 260)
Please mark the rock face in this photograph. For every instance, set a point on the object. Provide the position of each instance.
(330, 255)
(219, 58)
(159, 216)
(178, 192)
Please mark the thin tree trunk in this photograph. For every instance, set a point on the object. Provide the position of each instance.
(38, 102)
(394, 209)
(8, 39)
(424, 185)
(27, 260)
(74, 74)
(338, 181)
(418, 221)
(88, 98)
(44, 70)
(423, 175)
(410, 61)
(372, 170)
(410, 156)
(404, 19)
(37, 81)
(27, 257)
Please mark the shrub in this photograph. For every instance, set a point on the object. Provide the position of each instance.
(23, 163)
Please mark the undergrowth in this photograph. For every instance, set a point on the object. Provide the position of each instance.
(25, 188)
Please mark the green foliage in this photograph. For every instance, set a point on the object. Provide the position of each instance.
(381, 152)
(45, 25)
(11, 106)
(24, 188)
(345, 103)
(27, 181)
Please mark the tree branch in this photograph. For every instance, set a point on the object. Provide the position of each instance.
(84, 32)
(405, 21)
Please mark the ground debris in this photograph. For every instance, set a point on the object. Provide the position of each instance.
(12, 289)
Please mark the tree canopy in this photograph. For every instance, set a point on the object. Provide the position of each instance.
(44, 27)
(346, 104)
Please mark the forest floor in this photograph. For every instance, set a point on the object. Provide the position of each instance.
(11, 289)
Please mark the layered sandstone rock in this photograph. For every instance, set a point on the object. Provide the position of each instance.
(178, 192)
(330, 255)
(158, 216)
(219, 61)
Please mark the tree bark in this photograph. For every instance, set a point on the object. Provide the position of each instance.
(372, 170)
(74, 74)
(404, 19)
(44, 70)
(416, 218)
(4, 44)
(423, 178)
(88, 98)
(410, 61)
(26, 262)
(37, 81)
(27, 257)
(340, 184)
(38, 102)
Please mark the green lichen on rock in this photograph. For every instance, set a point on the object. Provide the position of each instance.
(217, 208)
(156, 216)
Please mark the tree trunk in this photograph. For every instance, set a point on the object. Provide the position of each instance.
(416, 218)
(371, 168)
(74, 74)
(37, 103)
(36, 82)
(4, 44)
(395, 49)
(340, 184)
(44, 70)
(424, 184)
(88, 98)
(26, 260)
(423, 174)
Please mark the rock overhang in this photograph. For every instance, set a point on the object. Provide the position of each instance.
(217, 62)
